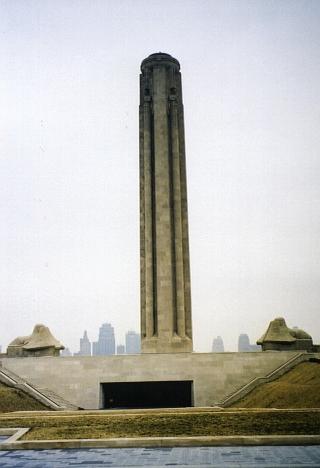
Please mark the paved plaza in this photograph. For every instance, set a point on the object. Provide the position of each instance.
(262, 456)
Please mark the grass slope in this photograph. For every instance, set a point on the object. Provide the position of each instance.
(88, 425)
(299, 388)
(12, 399)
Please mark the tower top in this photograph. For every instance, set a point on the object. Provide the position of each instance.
(159, 58)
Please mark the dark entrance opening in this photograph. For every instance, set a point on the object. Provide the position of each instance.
(162, 394)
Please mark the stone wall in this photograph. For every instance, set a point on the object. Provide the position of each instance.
(78, 379)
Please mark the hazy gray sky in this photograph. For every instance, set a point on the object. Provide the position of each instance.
(69, 223)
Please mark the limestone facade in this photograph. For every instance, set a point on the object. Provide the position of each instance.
(165, 273)
(78, 379)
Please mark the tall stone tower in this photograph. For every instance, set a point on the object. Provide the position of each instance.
(165, 273)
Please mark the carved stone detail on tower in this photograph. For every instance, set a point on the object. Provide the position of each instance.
(165, 273)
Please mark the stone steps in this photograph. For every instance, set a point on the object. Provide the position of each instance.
(236, 395)
(64, 404)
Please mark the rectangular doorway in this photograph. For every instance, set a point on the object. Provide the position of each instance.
(158, 394)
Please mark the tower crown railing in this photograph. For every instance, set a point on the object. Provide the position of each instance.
(160, 57)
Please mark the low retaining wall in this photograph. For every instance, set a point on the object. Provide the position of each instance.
(214, 375)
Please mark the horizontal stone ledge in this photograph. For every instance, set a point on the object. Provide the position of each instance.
(163, 442)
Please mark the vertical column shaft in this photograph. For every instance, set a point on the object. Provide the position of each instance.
(150, 298)
(162, 202)
(179, 326)
(165, 275)
(185, 227)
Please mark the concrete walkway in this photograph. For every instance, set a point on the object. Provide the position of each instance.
(265, 456)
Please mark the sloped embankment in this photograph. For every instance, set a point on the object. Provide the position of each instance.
(299, 388)
(12, 399)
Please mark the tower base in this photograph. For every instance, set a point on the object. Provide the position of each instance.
(174, 344)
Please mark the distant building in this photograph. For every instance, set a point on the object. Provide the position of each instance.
(245, 346)
(66, 352)
(121, 349)
(217, 345)
(85, 345)
(106, 342)
(133, 342)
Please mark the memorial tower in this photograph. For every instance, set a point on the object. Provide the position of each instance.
(164, 251)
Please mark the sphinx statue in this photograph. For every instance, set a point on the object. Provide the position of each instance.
(279, 337)
(40, 343)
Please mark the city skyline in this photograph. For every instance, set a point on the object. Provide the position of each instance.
(69, 178)
(103, 346)
(243, 344)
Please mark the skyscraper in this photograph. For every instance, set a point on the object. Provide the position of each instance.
(244, 344)
(164, 245)
(106, 342)
(133, 342)
(85, 345)
(217, 345)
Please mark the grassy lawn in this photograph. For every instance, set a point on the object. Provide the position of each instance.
(86, 425)
(12, 399)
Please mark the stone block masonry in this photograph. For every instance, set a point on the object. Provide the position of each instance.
(78, 379)
(165, 274)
